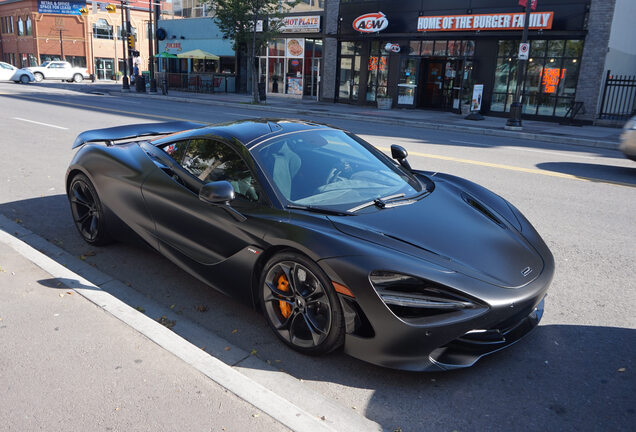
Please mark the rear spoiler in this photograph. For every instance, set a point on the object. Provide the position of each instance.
(117, 133)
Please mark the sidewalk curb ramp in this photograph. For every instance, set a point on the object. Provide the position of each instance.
(248, 377)
(560, 139)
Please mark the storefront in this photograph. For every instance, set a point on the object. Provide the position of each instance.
(431, 54)
(291, 65)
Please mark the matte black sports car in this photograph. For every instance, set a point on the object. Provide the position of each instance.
(335, 242)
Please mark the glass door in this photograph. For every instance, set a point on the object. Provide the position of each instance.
(104, 68)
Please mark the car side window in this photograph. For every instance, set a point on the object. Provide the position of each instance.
(176, 150)
(210, 160)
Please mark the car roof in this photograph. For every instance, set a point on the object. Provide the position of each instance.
(248, 132)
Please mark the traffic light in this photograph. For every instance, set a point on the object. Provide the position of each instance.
(84, 11)
(131, 42)
(111, 8)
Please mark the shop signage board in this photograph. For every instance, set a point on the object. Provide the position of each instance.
(301, 24)
(371, 22)
(173, 47)
(295, 47)
(60, 7)
(478, 92)
(524, 50)
(494, 21)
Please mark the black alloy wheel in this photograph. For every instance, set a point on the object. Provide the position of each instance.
(301, 305)
(87, 211)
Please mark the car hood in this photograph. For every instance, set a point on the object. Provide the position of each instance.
(452, 228)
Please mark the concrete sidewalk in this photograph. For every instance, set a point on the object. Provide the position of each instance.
(591, 136)
(66, 364)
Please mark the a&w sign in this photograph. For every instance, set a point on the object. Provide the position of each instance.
(371, 22)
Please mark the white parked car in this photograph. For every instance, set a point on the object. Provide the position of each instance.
(59, 70)
(11, 73)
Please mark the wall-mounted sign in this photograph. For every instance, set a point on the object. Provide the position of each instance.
(301, 24)
(495, 21)
(392, 47)
(173, 47)
(295, 47)
(371, 22)
(60, 7)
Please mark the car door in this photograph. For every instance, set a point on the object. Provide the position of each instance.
(205, 233)
(6, 72)
(55, 71)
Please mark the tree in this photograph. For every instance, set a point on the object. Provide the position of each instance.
(238, 20)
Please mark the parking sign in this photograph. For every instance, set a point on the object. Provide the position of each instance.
(524, 50)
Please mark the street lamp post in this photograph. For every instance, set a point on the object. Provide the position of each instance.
(514, 122)
(61, 46)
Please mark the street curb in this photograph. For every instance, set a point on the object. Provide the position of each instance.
(392, 121)
(310, 411)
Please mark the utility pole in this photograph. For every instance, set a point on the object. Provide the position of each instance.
(514, 122)
(128, 33)
(61, 46)
(125, 87)
(151, 59)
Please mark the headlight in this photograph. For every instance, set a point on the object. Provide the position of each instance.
(411, 298)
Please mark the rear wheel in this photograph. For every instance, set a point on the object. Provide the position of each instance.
(87, 211)
(300, 304)
(38, 76)
(78, 78)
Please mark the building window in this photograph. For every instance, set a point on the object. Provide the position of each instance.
(76, 61)
(549, 85)
(20, 27)
(102, 30)
(28, 26)
(378, 72)
(349, 75)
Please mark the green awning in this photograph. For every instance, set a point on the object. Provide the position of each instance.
(165, 55)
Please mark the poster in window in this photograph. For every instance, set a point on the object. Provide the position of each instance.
(295, 47)
(294, 86)
(478, 92)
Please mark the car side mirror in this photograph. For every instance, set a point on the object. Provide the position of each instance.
(400, 154)
(220, 193)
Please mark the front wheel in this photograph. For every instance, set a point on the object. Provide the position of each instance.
(87, 210)
(78, 78)
(24, 79)
(38, 76)
(300, 304)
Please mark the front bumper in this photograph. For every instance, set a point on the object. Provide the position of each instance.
(444, 344)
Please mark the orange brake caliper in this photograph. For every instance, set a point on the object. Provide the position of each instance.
(283, 284)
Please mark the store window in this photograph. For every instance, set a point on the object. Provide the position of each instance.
(102, 30)
(291, 66)
(549, 85)
(133, 31)
(349, 77)
(378, 72)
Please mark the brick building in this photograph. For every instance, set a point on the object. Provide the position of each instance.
(34, 31)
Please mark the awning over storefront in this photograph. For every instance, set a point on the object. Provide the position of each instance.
(197, 54)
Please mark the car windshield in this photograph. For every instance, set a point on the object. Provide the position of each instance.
(331, 168)
(45, 64)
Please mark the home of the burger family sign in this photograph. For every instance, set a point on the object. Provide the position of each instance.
(371, 22)
(495, 21)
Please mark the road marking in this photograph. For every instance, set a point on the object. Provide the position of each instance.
(550, 152)
(40, 123)
(468, 142)
(515, 168)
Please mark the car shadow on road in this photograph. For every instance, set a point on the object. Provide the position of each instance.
(574, 377)
(594, 172)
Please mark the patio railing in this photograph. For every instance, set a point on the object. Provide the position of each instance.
(198, 82)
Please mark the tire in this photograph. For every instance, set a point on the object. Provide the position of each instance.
(87, 211)
(24, 79)
(300, 304)
(78, 78)
(38, 76)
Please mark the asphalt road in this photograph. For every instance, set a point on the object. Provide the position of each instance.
(576, 371)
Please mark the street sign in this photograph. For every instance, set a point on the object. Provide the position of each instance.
(524, 50)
